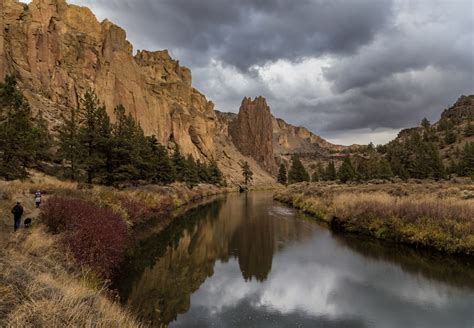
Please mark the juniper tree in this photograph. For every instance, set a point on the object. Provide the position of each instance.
(70, 151)
(94, 135)
(346, 171)
(203, 171)
(18, 138)
(123, 153)
(330, 172)
(297, 172)
(162, 167)
(467, 160)
(215, 175)
(384, 169)
(43, 139)
(247, 173)
(282, 175)
(179, 164)
(191, 176)
(425, 123)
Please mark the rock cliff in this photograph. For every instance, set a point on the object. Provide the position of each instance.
(290, 139)
(57, 51)
(252, 132)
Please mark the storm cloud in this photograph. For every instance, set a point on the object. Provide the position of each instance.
(352, 71)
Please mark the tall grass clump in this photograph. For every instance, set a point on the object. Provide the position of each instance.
(96, 237)
(429, 215)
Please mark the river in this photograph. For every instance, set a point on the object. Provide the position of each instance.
(248, 261)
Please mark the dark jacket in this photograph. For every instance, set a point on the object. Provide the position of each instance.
(17, 211)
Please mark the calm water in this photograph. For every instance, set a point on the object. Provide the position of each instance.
(247, 261)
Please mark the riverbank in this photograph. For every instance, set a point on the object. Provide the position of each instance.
(432, 215)
(58, 279)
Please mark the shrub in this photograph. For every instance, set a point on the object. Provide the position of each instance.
(96, 237)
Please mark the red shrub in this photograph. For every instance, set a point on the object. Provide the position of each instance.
(136, 210)
(97, 237)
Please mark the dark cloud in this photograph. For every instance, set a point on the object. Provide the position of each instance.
(250, 32)
(331, 65)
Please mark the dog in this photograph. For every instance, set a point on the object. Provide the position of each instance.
(27, 223)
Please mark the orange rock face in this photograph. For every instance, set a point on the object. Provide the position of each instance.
(58, 51)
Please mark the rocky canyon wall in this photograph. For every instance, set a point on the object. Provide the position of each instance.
(58, 51)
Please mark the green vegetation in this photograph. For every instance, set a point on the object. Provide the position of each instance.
(282, 175)
(297, 171)
(347, 171)
(24, 139)
(90, 148)
(414, 157)
(330, 172)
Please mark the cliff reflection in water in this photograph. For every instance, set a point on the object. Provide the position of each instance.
(168, 268)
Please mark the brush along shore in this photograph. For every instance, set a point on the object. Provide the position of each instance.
(422, 214)
(57, 272)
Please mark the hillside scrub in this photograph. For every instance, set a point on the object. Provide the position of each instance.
(428, 215)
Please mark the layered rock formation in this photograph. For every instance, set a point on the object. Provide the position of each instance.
(290, 139)
(58, 51)
(270, 140)
(252, 132)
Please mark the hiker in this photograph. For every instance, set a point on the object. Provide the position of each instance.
(17, 212)
(38, 199)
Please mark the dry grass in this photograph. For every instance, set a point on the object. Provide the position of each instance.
(40, 287)
(432, 215)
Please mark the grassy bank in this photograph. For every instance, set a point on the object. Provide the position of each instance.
(57, 272)
(428, 215)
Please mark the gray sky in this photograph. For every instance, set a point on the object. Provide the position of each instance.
(352, 71)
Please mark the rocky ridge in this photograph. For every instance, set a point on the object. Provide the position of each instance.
(252, 132)
(58, 51)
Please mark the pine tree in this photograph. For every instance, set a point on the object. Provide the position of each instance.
(123, 155)
(450, 136)
(320, 170)
(282, 175)
(247, 173)
(216, 176)
(179, 164)
(425, 123)
(467, 160)
(384, 169)
(297, 172)
(346, 171)
(18, 138)
(330, 173)
(163, 171)
(43, 139)
(191, 175)
(70, 148)
(203, 172)
(94, 135)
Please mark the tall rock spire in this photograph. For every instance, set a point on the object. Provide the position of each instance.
(252, 132)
